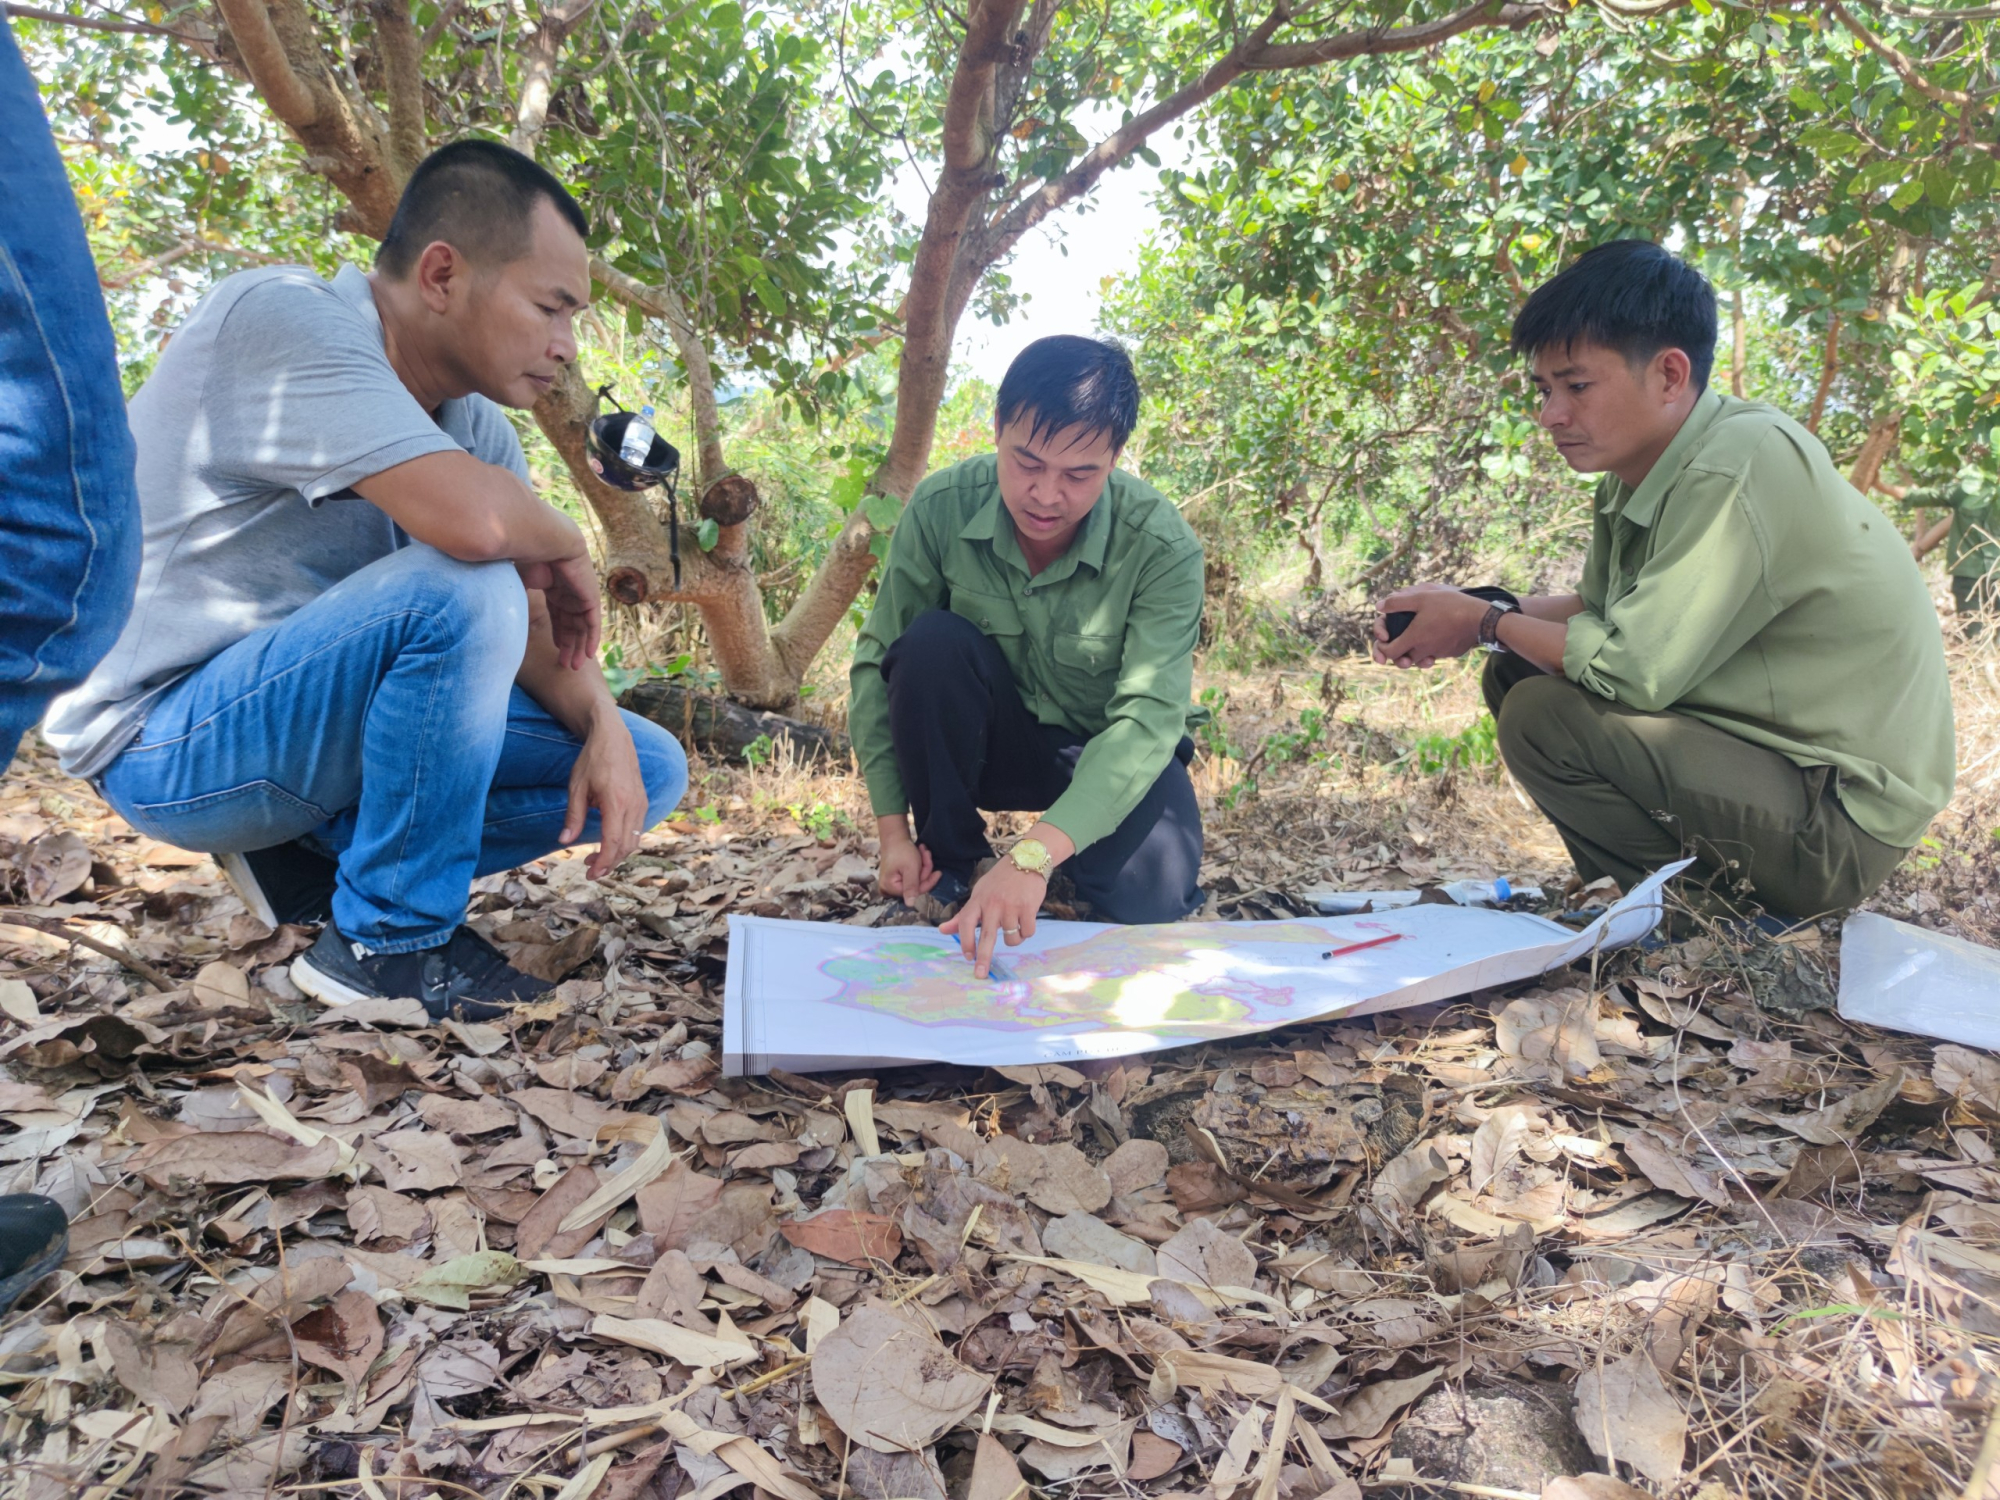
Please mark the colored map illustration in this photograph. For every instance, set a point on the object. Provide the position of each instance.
(1189, 979)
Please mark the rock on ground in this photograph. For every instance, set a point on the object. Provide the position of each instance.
(1515, 1439)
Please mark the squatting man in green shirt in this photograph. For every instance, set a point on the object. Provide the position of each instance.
(1032, 649)
(1751, 671)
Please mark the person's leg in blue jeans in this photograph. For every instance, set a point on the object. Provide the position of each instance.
(69, 516)
(382, 720)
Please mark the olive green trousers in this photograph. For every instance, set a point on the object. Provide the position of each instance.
(1631, 791)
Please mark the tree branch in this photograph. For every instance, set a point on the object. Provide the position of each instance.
(1254, 54)
(292, 99)
(1375, 41)
(277, 47)
(1829, 366)
(1917, 13)
(180, 252)
(1905, 65)
(664, 303)
(403, 71)
(538, 70)
(93, 23)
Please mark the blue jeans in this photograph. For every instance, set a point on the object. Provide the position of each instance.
(382, 721)
(69, 517)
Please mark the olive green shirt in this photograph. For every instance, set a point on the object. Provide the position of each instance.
(1747, 584)
(1972, 546)
(1101, 642)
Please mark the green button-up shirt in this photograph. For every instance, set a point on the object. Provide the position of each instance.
(1101, 642)
(1746, 583)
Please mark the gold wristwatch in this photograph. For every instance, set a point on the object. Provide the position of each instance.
(1033, 856)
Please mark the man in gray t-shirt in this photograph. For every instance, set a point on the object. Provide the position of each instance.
(361, 665)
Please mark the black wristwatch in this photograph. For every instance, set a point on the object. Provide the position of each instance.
(1489, 626)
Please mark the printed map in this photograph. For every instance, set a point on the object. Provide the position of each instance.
(1195, 980)
(812, 996)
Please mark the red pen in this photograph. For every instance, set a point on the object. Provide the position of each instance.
(1357, 947)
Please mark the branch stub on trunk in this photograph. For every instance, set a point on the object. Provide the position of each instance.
(628, 585)
(730, 501)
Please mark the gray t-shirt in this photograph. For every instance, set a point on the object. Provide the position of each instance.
(267, 405)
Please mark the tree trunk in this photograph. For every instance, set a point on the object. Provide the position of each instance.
(1829, 366)
(1738, 344)
(1881, 442)
(721, 728)
(638, 561)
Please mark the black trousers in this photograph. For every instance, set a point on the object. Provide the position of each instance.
(965, 742)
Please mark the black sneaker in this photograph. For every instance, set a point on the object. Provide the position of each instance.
(34, 1238)
(465, 979)
(285, 883)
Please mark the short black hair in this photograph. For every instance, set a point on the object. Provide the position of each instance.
(478, 197)
(1628, 295)
(1068, 381)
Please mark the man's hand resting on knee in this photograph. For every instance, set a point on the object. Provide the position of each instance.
(1005, 901)
(481, 512)
(569, 593)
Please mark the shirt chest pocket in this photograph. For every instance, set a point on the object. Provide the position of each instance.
(1087, 658)
(994, 614)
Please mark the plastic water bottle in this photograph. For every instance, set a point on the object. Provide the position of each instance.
(638, 444)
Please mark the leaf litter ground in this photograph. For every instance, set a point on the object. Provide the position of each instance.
(1670, 1219)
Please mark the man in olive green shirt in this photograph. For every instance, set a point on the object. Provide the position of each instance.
(1752, 671)
(1031, 648)
(1972, 544)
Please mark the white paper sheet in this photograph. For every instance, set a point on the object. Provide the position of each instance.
(813, 996)
(1911, 979)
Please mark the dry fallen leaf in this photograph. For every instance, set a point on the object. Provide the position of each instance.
(1400, 1186)
(1592, 1487)
(233, 1156)
(220, 986)
(1964, 1074)
(1086, 1237)
(1845, 1119)
(889, 1384)
(1626, 1412)
(696, 1350)
(671, 1205)
(17, 1002)
(1152, 1456)
(1498, 1141)
(1203, 1255)
(995, 1475)
(55, 865)
(853, 1239)
(1673, 1170)
(1369, 1409)
(344, 1336)
(1068, 1183)
(452, 1284)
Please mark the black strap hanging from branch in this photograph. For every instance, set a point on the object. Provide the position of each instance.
(674, 527)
